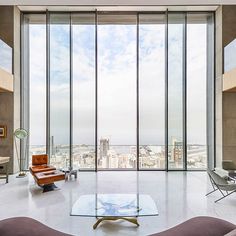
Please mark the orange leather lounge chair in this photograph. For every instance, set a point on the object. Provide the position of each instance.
(44, 174)
(40, 164)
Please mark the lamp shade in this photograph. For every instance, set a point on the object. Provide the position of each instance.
(20, 133)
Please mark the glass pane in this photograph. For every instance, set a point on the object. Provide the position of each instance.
(196, 90)
(59, 89)
(152, 91)
(35, 27)
(175, 90)
(83, 91)
(230, 56)
(117, 91)
(6, 57)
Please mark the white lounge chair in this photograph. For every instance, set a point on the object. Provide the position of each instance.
(225, 187)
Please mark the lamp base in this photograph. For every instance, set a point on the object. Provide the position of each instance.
(21, 175)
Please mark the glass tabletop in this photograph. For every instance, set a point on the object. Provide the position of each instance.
(120, 205)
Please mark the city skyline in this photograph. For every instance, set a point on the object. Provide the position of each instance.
(111, 156)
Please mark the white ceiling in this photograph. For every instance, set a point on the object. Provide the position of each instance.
(116, 2)
(122, 5)
(117, 8)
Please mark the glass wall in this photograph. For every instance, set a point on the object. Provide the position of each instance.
(176, 43)
(152, 91)
(117, 91)
(59, 89)
(99, 89)
(197, 90)
(6, 57)
(35, 83)
(83, 38)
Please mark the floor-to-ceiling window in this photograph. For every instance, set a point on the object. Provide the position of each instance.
(117, 38)
(83, 38)
(59, 89)
(196, 89)
(152, 91)
(34, 90)
(108, 90)
(176, 41)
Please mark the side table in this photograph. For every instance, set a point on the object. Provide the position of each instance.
(4, 164)
(69, 173)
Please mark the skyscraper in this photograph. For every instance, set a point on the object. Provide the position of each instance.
(104, 147)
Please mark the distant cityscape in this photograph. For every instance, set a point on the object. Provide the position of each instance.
(124, 156)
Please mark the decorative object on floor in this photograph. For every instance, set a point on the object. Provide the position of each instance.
(3, 131)
(200, 226)
(112, 207)
(221, 184)
(69, 172)
(45, 175)
(4, 164)
(22, 135)
(19, 226)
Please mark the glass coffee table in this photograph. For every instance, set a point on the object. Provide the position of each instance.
(112, 207)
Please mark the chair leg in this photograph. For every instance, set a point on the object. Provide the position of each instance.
(213, 186)
(211, 192)
(224, 196)
(220, 198)
(6, 173)
(49, 187)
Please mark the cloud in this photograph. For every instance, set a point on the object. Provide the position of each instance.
(117, 83)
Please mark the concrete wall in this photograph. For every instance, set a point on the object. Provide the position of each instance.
(229, 99)
(6, 118)
(225, 102)
(10, 102)
(6, 98)
(6, 24)
(228, 24)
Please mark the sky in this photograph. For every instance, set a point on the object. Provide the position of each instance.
(5, 56)
(117, 58)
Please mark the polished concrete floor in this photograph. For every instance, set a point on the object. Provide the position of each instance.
(178, 195)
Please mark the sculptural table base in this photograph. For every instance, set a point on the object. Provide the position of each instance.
(114, 218)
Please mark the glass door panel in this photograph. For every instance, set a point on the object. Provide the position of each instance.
(59, 89)
(117, 77)
(83, 38)
(35, 85)
(196, 91)
(152, 91)
(175, 90)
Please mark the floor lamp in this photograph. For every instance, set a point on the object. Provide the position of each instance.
(20, 134)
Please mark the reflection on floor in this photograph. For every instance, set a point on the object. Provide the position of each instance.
(179, 196)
